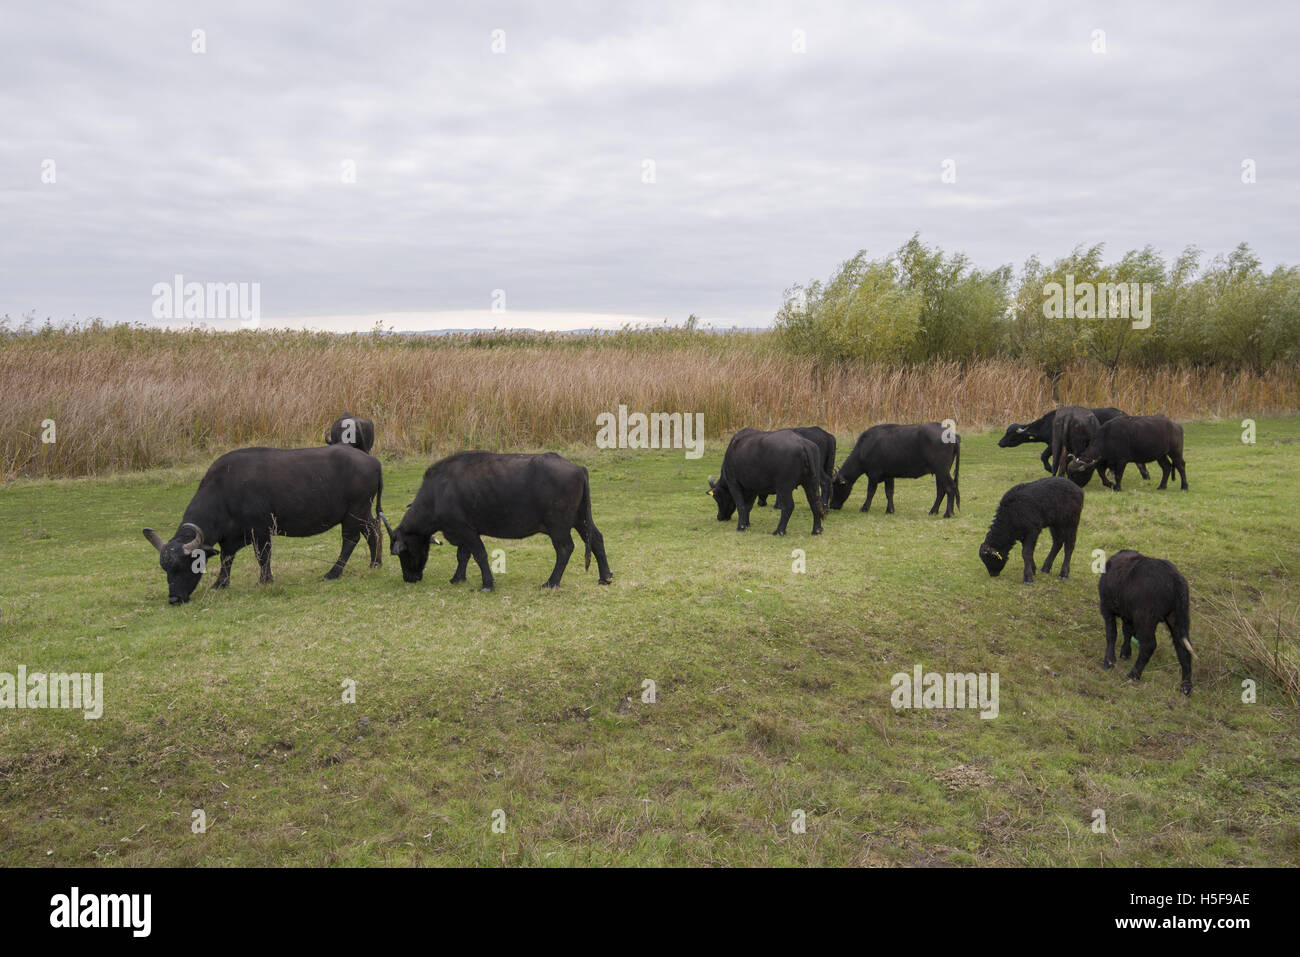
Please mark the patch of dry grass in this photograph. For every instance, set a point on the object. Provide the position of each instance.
(125, 399)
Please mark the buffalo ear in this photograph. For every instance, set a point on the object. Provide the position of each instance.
(153, 538)
(396, 546)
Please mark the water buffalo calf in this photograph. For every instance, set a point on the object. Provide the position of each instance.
(825, 443)
(779, 462)
(1135, 438)
(1142, 592)
(249, 495)
(886, 452)
(502, 495)
(353, 430)
(1027, 509)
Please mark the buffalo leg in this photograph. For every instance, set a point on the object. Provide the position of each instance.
(1119, 474)
(227, 559)
(889, 496)
(481, 557)
(1146, 635)
(1068, 535)
(375, 539)
(1182, 475)
(871, 493)
(815, 503)
(462, 562)
(742, 506)
(940, 489)
(563, 543)
(1129, 634)
(1108, 660)
(952, 494)
(1057, 542)
(592, 538)
(1047, 459)
(785, 502)
(1142, 471)
(762, 501)
(1027, 551)
(351, 535)
(262, 547)
(1166, 470)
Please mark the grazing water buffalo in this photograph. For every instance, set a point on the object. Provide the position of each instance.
(1027, 509)
(353, 430)
(825, 443)
(251, 494)
(1040, 430)
(471, 494)
(777, 462)
(1135, 438)
(886, 452)
(1142, 592)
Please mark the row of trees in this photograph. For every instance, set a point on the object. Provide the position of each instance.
(917, 304)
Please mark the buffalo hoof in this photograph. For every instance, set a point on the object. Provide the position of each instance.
(741, 528)
(1186, 688)
(332, 574)
(606, 581)
(550, 586)
(864, 508)
(455, 579)
(221, 584)
(488, 588)
(1108, 665)
(817, 531)
(1134, 677)
(779, 531)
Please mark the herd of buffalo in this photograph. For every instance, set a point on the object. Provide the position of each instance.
(248, 496)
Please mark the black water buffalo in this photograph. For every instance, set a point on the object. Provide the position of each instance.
(1135, 438)
(251, 494)
(1142, 592)
(779, 462)
(1027, 509)
(825, 442)
(1040, 430)
(886, 452)
(1073, 430)
(353, 430)
(502, 495)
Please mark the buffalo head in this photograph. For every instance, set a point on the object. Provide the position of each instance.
(184, 559)
(722, 495)
(993, 559)
(410, 547)
(1016, 435)
(840, 490)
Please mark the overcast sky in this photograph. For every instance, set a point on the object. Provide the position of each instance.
(524, 170)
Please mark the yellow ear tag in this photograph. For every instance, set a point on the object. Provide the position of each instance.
(711, 493)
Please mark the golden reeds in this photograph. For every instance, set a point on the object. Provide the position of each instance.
(133, 398)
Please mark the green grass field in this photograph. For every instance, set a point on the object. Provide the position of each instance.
(773, 687)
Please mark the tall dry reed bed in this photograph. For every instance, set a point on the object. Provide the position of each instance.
(133, 398)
